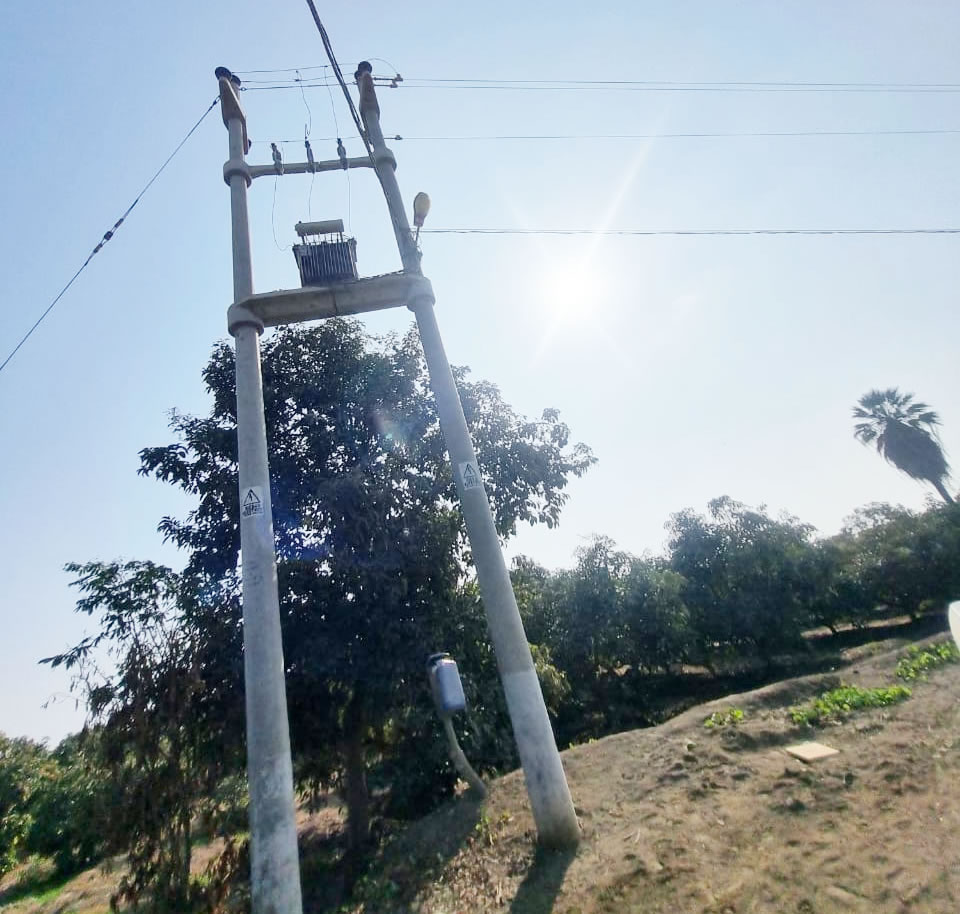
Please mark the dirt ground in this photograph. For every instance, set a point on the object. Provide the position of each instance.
(679, 818)
(688, 820)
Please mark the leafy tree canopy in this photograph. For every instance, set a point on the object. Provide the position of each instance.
(371, 544)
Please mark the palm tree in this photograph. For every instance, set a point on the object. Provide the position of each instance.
(905, 433)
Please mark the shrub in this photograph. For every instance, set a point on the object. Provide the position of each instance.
(838, 703)
(919, 661)
(729, 717)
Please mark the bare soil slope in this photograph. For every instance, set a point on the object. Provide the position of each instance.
(679, 818)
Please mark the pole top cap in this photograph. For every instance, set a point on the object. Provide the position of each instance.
(224, 73)
(363, 67)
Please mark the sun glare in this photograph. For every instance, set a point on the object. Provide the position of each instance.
(568, 293)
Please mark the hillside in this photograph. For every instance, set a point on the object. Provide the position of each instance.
(684, 818)
(681, 818)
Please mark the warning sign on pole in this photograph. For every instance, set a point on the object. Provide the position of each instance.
(469, 475)
(251, 502)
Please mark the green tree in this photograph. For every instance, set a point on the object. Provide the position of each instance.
(657, 618)
(747, 578)
(372, 551)
(156, 678)
(577, 613)
(25, 768)
(606, 622)
(51, 803)
(905, 562)
(836, 583)
(905, 434)
(594, 602)
(71, 811)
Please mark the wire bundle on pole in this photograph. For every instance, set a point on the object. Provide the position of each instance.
(339, 74)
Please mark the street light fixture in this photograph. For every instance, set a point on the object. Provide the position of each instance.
(421, 206)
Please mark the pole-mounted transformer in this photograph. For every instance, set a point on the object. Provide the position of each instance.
(325, 255)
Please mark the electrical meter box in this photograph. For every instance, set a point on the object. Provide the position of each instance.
(446, 685)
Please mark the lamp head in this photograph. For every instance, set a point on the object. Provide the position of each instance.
(421, 206)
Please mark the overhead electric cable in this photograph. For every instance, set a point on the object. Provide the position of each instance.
(304, 85)
(295, 80)
(829, 85)
(664, 136)
(571, 88)
(273, 215)
(637, 85)
(346, 171)
(307, 127)
(937, 131)
(315, 139)
(108, 234)
(339, 74)
(762, 231)
(694, 82)
(322, 66)
(632, 85)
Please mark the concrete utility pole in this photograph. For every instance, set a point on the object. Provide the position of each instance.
(275, 878)
(553, 810)
(275, 866)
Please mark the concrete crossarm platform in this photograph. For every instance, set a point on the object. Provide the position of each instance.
(293, 306)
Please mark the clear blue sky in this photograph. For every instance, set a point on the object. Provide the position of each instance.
(695, 367)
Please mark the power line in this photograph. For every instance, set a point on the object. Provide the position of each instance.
(307, 128)
(315, 139)
(299, 80)
(696, 82)
(690, 85)
(301, 85)
(339, 74)
(635, 86)
(725, 84)
(646, 136)
(645, 232)
(663, 136)
(108, 234)
(676, 86)
(489, 87)
(321, 66)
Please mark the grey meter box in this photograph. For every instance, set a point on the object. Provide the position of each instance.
(445, 685)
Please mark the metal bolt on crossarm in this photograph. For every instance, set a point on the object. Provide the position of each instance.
(550, 799)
